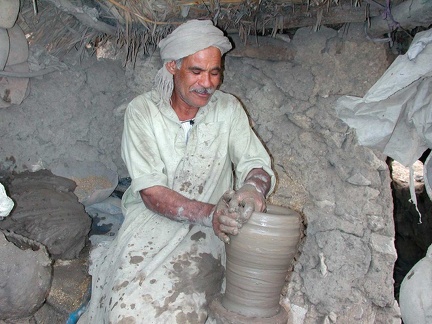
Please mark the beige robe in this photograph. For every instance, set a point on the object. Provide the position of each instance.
(158, 270)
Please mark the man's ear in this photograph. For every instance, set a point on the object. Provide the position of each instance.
(171, 67)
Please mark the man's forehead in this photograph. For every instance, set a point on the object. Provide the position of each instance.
(201, 68)
(210, 54)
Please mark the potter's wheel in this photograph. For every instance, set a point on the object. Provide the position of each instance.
(224, 316)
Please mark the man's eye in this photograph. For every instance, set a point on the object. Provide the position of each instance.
(196, 72)
(215, 73)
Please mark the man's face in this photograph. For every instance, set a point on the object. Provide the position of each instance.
(197, 78)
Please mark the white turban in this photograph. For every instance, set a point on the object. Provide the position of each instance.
(187, 39)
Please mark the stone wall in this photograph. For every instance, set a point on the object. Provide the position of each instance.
(344, 272)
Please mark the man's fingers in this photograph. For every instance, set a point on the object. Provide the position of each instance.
(228, 221)
(235, 209)
(233, 230)
(228, 195)
(234, 203)
(246, 212)
(224, 238)
(224, 230)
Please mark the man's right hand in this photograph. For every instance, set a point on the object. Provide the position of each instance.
(224, 221)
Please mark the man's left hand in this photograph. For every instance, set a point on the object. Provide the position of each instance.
(245, 201)
(236, 207)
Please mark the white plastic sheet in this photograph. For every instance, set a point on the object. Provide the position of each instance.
(6, 204)
(395, 115)
(415, 297)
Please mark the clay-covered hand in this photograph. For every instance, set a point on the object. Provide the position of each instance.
(224, 221)
(245, 201)
(234, 209)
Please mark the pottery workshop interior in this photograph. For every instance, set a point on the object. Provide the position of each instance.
(338, 91)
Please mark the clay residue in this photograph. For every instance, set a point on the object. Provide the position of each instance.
(136, 259)
(127, 320)
(185, 186)
(192, 275)
(191, 317)
(198, 235)
(140, 277)
(120, 286)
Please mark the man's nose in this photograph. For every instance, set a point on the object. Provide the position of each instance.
(205, 80)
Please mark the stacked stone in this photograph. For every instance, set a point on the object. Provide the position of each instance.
(14, 53)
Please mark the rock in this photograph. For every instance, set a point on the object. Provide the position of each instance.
(47, 211)
(47, 314)
(263, 48)
(25, 269)
(359, 180)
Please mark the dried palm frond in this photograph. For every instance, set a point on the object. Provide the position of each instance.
(62, 25)
(56, 30)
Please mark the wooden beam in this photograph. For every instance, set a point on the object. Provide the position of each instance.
(205, 2)
(301, 16)
(335, 15)
(228, 2)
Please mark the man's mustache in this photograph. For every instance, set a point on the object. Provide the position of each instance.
(201, 90)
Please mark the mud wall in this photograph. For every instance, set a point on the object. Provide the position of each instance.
(345, 266)
(344, 272)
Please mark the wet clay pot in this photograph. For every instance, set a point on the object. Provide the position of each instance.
(4, 47)
(18, 48)
(258, 260)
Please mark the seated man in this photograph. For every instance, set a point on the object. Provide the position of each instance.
(183, 143)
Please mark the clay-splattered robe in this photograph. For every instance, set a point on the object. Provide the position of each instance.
(157, 270)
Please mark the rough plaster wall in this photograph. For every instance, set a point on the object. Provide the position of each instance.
(344, 271)
(69, 115)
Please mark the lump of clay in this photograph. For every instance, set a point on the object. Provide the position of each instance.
(25, 276)
(48, 212)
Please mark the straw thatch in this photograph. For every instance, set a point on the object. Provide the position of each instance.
(139, 24)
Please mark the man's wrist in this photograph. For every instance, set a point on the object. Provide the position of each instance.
(253, 184)
(208, 220)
